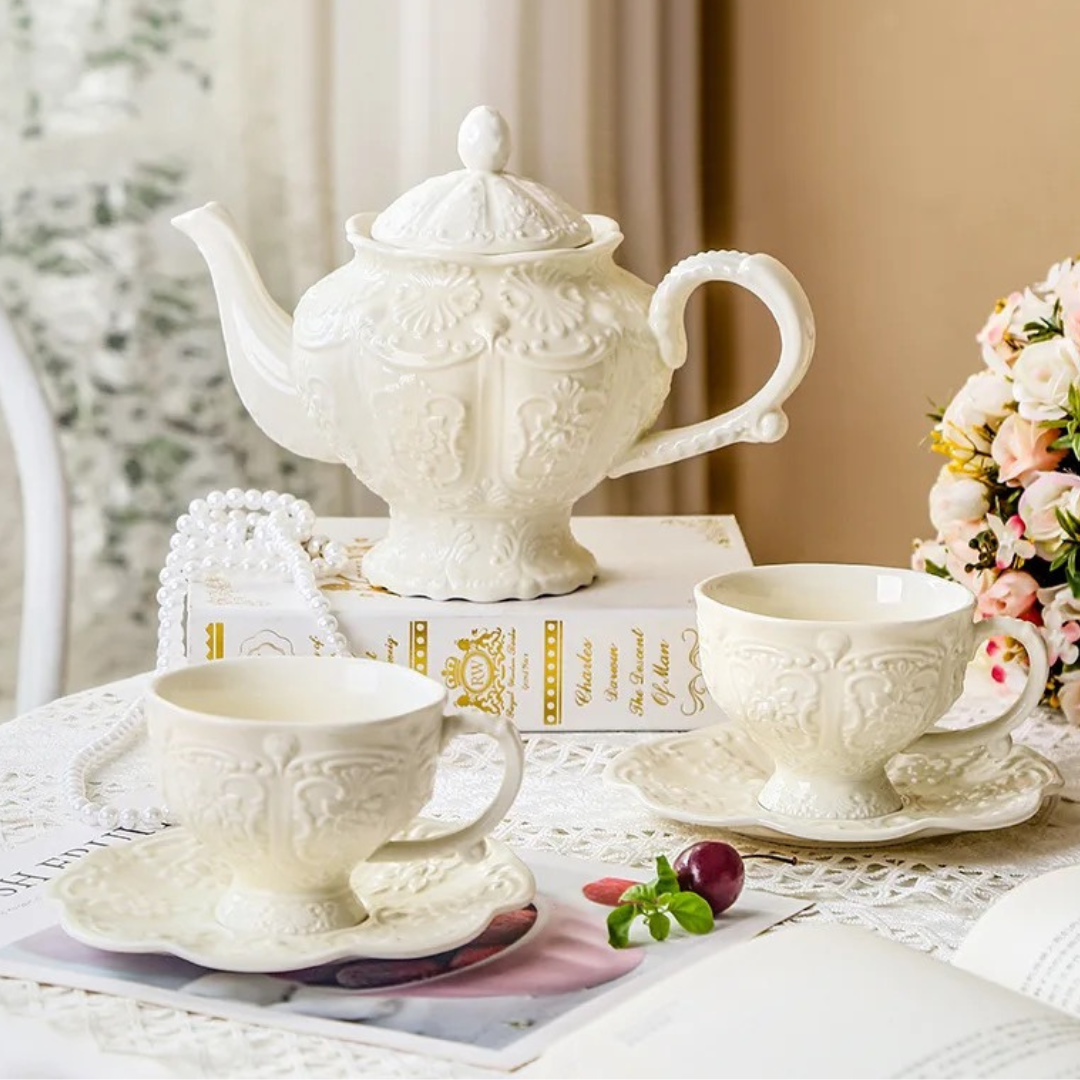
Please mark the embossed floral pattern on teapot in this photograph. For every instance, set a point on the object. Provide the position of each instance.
(482, 363)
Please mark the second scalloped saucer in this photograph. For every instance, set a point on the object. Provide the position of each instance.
(712, 777)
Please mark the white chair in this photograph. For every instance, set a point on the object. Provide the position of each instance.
(46, 531)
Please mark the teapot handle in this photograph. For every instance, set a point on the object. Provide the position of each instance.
(760, 419)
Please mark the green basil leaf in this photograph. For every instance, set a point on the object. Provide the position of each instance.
(692, 912)
(659, 925)
(639, 894)
(666, 879)
(618, 926)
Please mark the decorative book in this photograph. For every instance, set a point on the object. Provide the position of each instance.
(619, 655)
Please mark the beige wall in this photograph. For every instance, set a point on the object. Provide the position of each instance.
(910, 161)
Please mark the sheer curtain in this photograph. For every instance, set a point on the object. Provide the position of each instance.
(117, 114)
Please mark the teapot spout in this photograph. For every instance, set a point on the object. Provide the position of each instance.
(258, 334)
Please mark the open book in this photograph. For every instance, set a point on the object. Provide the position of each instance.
(816, 1001)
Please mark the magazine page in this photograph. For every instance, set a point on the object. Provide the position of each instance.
(1029, 940)
(532, 977)
(821, 1001)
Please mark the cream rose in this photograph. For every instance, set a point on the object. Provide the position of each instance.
(1048, 493)
(1042, 376)
(1022, 449)
(983, 401)
(956, 498)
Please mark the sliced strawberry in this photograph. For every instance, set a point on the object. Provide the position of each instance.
(607, 890)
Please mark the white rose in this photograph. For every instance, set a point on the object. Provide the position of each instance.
(1063, 279)
(984, 400)
(1042, 376)
(1048, 493)
(956, 498)
(1033, 307)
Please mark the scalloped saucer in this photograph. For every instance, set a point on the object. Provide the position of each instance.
(158, 895)
(712, 777)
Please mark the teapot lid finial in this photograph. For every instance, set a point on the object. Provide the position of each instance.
(481, 209)
(483, 140)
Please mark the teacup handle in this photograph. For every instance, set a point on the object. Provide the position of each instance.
(468, 836)
(759, 419)
(994, 734)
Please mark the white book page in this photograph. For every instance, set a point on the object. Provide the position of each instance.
(1029, 940)
(821, 1002)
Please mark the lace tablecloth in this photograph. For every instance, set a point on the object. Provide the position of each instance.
(924, 894)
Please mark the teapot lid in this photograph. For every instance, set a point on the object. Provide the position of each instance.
(481, 209)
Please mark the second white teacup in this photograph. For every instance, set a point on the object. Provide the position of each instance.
(293, 770)
(833, 669)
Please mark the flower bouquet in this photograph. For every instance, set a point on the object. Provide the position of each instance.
(1006, 505)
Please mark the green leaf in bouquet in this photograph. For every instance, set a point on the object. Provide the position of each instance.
(1045, 328)
(1069, 524)
(934, 570)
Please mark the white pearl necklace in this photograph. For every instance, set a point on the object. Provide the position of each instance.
(253, 531)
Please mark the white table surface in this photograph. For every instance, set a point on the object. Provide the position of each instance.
(924, 895)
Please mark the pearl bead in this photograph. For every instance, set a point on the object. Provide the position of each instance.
(267, 531)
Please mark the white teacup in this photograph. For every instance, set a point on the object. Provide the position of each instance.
(294, 770)
(833, 669)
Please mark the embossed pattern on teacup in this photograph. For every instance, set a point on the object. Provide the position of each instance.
(277, 810)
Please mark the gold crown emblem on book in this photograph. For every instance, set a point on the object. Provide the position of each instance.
(479, 672)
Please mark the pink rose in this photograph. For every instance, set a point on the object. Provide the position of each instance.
(1013, 594)
(1022, 449)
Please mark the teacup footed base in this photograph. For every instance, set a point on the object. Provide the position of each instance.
(483, 559)
(261, 910)
(827, 798)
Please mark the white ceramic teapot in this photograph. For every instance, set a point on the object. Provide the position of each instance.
(482, 363)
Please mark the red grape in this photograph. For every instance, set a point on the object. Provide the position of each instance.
(712, 869)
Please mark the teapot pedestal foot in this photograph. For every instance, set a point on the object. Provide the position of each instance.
(482, 559)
